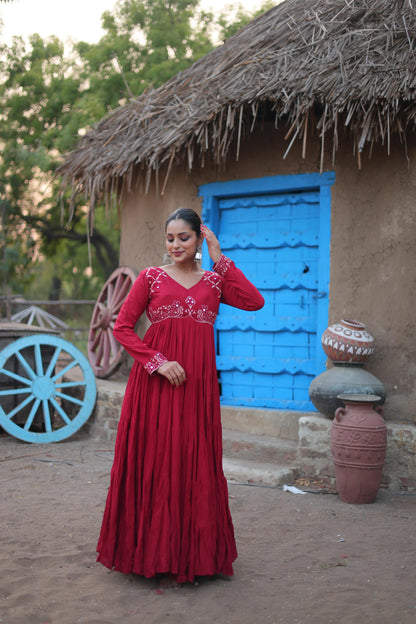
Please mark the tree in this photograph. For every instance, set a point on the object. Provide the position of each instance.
(48, 98)
(39, 88)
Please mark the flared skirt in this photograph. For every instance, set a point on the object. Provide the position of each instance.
(167, 507)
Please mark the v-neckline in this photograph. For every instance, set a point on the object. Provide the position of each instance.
(181, 285)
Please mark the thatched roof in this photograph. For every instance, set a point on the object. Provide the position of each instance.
(311, 63)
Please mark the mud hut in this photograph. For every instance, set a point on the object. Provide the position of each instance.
(296, 140)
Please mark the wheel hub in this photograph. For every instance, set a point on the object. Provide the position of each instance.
(43, 388)
(105, 318)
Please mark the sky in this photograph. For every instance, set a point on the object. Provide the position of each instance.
(78, 20)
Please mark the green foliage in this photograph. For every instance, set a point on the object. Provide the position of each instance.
(146, 43)
(16, 250)
(234, 17)
(43, 106)
(50, 96)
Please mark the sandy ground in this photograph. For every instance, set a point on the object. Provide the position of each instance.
(303, 559)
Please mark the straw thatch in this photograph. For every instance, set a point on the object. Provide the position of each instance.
(317, 64)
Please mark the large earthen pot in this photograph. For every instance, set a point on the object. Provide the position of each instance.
(358, 447)
(343, 377)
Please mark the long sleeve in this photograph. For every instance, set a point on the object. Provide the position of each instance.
(237, 290)
(130, 312)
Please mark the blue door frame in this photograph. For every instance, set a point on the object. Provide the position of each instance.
(274, 200)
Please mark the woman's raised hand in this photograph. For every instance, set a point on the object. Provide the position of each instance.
(173, 372)
(213, 245)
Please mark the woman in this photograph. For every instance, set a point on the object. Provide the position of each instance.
(167, 507)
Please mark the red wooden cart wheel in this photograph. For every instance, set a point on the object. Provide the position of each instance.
(104, 352)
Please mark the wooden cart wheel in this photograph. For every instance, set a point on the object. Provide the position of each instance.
(47, 388)
(104, 352)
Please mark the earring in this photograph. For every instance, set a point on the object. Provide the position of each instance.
(167, 259)
(198, 255)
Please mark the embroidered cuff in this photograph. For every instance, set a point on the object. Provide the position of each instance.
(221, 267)
(154, 363)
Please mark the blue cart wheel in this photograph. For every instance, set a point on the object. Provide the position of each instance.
(47, 389)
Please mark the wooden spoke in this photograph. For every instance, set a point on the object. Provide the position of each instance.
(104, 352)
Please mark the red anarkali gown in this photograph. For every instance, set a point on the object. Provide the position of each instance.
(167, 506)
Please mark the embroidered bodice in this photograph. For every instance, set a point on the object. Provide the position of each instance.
(170, 308)
(161, 307)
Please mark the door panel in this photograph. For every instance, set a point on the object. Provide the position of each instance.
(268, 358)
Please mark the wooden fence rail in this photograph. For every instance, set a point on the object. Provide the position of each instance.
(10, 303)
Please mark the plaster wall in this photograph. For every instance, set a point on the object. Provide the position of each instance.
(373, 236)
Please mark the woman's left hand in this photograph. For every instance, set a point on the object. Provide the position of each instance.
(213, 245)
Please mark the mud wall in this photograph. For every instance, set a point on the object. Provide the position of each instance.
(373, 240)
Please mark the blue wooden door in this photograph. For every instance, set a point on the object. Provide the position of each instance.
(280, 239)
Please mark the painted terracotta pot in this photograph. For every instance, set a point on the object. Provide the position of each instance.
(347, 341)
(358, 447)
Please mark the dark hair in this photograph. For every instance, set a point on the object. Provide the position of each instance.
(188, 215)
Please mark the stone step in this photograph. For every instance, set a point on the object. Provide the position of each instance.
(261, 448)
(277, 423)
(311, 431)
(258, 473)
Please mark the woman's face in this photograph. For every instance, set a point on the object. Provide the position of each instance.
(181, 241)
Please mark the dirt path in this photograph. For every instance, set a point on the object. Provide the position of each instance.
(303, 559)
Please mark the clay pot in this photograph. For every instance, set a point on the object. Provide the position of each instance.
(343, 377)
(358, 447)
(347, 341)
